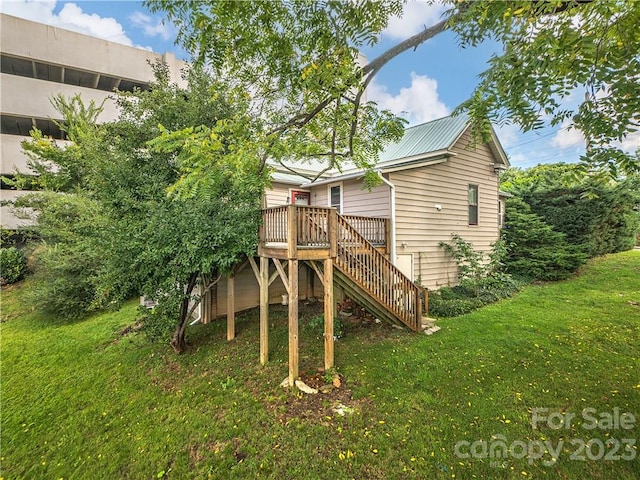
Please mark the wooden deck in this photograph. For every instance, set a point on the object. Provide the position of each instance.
(356, 247)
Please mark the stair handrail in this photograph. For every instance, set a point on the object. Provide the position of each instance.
(374, 273)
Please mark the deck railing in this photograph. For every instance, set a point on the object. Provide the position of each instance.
(354, 242)
(274, 225)
(311, 226)
(375, 230)
(310, 223)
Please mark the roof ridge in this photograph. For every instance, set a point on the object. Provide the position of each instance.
(462, 115)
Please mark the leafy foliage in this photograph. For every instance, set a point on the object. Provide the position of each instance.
(68, 258)
(473, 264)
(481, 280)
(535, 250)
(555, 50)
(596, 214)
(598, 219)
(316, 326)
(298, 60)
(147, 221)
(13, 265)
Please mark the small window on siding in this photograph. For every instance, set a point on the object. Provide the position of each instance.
(473, 204)
(335, 197)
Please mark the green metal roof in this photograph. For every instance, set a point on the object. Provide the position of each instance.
(420, 142)
(426, 138)
(290, 178)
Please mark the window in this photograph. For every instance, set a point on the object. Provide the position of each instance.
(473, 204)
(335, 197)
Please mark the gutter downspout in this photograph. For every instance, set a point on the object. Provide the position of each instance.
(392, 187)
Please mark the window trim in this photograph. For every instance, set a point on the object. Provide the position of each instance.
(329, 187)
(293, 191)
(471, 205)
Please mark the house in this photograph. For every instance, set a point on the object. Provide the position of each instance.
(331, 237)
(434, 182)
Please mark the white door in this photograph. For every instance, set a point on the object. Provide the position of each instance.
(404, 262)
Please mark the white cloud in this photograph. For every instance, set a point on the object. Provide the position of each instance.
(631, 142)
(71, 17)
(418, 103)
(567, 137)
(152, 27)
(415, 16)
(509, 134)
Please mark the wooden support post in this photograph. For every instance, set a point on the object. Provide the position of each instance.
(425, 307)
(264, 310)
(293, 321)
(292, 231)
(231, 308)
(328, 313)
(311, 277)
(419, 293)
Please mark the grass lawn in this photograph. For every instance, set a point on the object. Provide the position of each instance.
(81, 400)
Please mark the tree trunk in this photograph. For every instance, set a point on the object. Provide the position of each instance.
(178, 342)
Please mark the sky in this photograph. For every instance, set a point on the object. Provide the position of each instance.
(421, 85)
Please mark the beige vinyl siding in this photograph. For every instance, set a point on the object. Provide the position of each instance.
(319, 196)
(374, 203)
(355, 200)
(277, 195)
(420, 226)
(247, 291)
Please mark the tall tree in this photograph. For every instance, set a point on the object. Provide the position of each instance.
(154, 231)
(297, 59)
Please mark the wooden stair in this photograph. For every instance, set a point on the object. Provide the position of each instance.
(369, 278)
(361, 297)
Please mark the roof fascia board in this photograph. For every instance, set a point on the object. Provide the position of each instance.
(393, 168)
(336, 179)
(415, 158)
(496, 148)
(407, 166)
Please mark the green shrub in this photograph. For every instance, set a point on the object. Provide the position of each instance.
(534, 249)
(13, 265)
(316, 326)
(481, 280)
(439, 307)
(598, 219)
(158, 322)
(64, 281)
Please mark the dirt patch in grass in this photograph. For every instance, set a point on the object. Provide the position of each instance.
(199, 451)
(319, 408)
(136, 327)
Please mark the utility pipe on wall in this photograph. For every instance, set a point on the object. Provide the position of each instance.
(392, 187)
